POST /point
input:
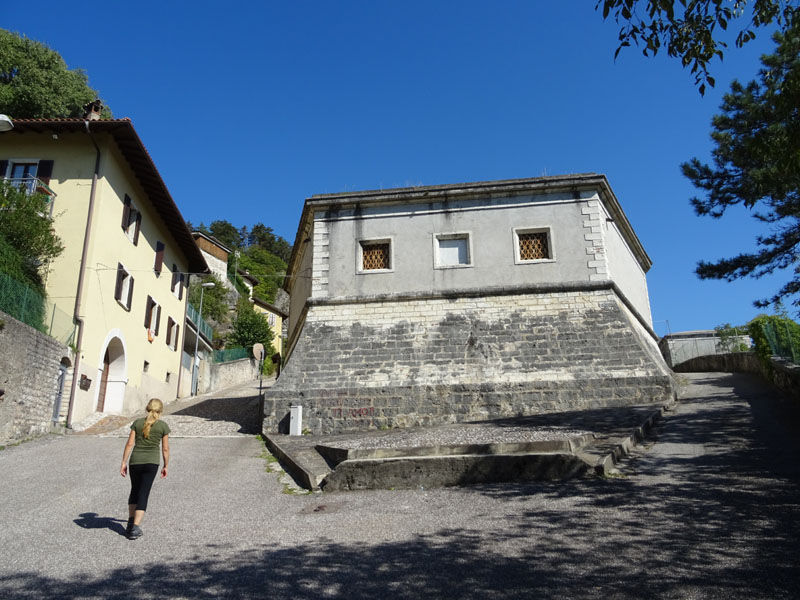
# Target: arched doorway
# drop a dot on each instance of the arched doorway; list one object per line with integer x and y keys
{"x": 112, "y": 378}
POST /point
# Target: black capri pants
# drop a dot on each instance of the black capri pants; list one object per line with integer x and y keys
{"x": 142, "y": 477}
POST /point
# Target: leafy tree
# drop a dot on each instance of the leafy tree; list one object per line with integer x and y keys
{"x": 757, "y": 164}
{"x": 27, "y": 237}
{"x": 215, "y": 305}
{"x": 775, "y": 335}
{"x": 267, "y": 268}
{"x": 264, "y": 237}
{"x": 730, "y": 338}
{"x": 226, "y": 233}
{"x": 691, "y": 30}
{"x": 250, "y": 327}
{"x": 36, "y": 83}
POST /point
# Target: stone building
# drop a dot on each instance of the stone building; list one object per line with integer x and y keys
{"x": 449, "y": 303}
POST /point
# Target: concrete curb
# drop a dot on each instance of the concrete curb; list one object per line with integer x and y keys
{"x": 604, "y": 463}
{"x": 329, "y": 466}
{"x": 298, "y": 463}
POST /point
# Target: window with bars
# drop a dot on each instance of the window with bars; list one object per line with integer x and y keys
{"x": 376, "y": 255}
{"x": 533, "y": 245}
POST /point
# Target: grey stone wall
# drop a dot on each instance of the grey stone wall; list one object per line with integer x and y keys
{"x": 29, "y": 366}
{"x": 782, "y": 374}
{"x": 226, "y": 374}
{"x": 425, "y": 361}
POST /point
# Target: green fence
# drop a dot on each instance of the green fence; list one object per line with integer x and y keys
{"x": 25, "y": 304}
{"x": 221, "y": 356}
{"x": 782, "y": 340}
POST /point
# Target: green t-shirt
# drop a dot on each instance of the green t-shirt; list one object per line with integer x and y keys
{"x": 147, "y": 450}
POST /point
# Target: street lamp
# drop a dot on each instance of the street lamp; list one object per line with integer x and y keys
{"x": 203, "y": 288}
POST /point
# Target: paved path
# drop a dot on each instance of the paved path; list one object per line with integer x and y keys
{"x": 232, "y": 412}
{"x": 708, "y": 509}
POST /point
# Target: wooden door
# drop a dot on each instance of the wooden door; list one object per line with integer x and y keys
{"x": 101, "y": 400}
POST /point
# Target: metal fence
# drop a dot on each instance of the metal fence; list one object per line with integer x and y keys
{"x": 25, "y": 304}
{"x": 194, "y": 317}
{"x": 229, "y": 354}
{"x": 782, "y": 340}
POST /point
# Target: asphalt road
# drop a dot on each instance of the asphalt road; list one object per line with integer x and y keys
{"x": 708, "y": 508}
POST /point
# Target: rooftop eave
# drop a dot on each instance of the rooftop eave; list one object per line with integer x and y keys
{"x": 508, "y": 187}
{"x": 142, "y": 166}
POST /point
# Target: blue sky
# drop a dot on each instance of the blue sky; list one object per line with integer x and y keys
{"x": 249, "y": 108}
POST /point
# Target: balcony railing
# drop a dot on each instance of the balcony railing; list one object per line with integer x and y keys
{"x": 205, "y": 328}
{"x": 31, "y": 185}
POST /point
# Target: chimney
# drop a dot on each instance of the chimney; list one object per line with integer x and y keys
{"x": 92, "y": 110}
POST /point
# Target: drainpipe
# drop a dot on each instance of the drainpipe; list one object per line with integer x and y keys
{"x": 180, "y": 349}
{"x": 79, "y": 294}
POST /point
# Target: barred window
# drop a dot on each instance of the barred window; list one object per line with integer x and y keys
{"x": 533, "y": 245}
{"x": 376, "y": 255}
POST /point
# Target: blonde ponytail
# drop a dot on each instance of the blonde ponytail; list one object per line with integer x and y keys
{"x": 154, "y": 408}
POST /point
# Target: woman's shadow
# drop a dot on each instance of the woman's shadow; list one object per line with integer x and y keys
{"x": 91, "y": 520}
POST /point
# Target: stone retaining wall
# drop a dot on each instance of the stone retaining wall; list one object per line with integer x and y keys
{"x": 782, "y": 374}
{"x": 29, "y": 367}
{"x": 222, "y": 375}
{"x": 400, "y": 363}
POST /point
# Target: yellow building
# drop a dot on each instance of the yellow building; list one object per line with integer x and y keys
{"x": 127, "y": 254}
{"x": 275, "y": 317}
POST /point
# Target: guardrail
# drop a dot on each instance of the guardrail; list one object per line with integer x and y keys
{"x": 194, "y": 317}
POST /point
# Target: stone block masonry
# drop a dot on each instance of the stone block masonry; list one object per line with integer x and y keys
{"x": 399, "y": 362}
{"x": 29, "y": 368}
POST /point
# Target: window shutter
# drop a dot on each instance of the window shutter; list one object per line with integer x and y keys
{"x": 138, "y": 227}
{"x": 45, "y": 171}
{"x": 177, "y": 337}
{"x": 120, "y": 279}
{"x": 180, "y": 293}
{"x": 175, "y": 277}
{"x": 126, "y": 212}
{"x": 148, "y": 312}
{"x": 158, "y": 318}
{"x": 159, "y": 257}
{"x": 3, "y": 167}
{"x": 170, "y": 325}
{"x": 130, "y": 294}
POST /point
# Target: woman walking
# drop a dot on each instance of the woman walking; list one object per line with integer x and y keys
{"x": 147, "y": 434}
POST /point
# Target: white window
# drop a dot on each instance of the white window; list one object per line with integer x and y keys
{"x": 271, "y": 319}
{"x": 123, "y": 291}
{"x": 131, "y": 220}
{"x": 375, "y": 256}
{"x": 172, "y": 333}
{"x": 152, "y": 318}
{"x": 452, "y": 250}
{"x": 532, "y": 245}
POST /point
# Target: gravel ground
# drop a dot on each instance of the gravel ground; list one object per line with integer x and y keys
{"x": 458, "y": 435}
{"x": 710, "y": 508}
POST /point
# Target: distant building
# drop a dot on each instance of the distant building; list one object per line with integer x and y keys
{"x": 275, "y": 317}
{"x": 216, "y": 255}
{"x": 471, "y": 301}
{"x": 680, "y": 347}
